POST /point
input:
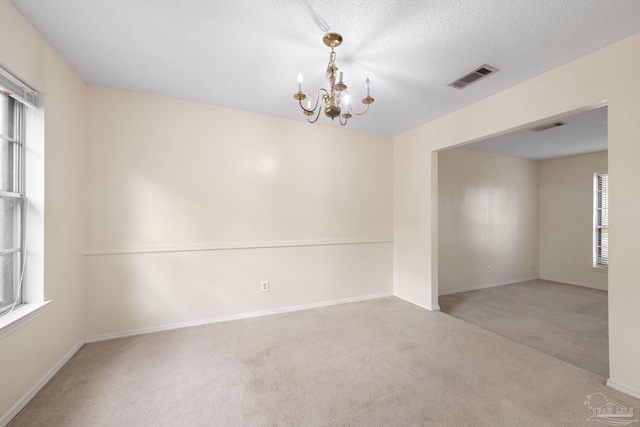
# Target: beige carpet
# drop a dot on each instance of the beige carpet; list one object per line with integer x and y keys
{"x": 565, "y": 321}
{"x": 382, "y": 362}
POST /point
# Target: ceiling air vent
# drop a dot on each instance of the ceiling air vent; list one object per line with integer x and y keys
{"x": 473, "y": 76}
{"x": 547, "y": 126}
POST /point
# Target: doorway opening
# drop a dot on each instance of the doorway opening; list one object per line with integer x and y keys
{"x": 517, "y": 233}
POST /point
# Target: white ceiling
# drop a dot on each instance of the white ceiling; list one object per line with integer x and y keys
{"x": 246, "y": 54}
{"x": 583, "y": 133}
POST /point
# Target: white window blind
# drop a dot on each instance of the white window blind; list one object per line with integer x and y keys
{"x": 14, "y": 96}
{"x": 11, "y": 201}
{"x": 601, "y": 240}
{"x": 11, "y": 86}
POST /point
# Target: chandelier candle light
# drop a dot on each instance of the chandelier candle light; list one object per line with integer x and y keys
{"x": 338, "y": 96}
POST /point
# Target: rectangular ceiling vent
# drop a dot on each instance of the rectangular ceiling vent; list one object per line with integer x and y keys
{"x": 547, "y": 126}
{"x": 473, "y": 76}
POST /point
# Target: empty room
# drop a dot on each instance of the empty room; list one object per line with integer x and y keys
{"x": 230, "y": 213}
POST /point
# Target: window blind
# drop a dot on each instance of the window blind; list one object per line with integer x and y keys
{"x": 16, "y": 89}
{"x": 602, "y": 220}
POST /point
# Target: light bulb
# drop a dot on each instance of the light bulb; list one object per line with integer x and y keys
{"x": 300, "y": 78}
{"x": 309, "y": 105}
{"x": 367, "y": 84}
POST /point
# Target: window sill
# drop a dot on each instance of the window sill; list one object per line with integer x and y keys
{"x": 600, "y": 269}
{"x": 21, "y": 316}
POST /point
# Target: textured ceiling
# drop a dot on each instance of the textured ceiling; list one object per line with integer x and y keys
{"x": 583, "y": 133}
{"x": 246, "y": 54}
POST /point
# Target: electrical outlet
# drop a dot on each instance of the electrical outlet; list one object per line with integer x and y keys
{"x": 264, "y": 286}
{"x": 488, "y": 268}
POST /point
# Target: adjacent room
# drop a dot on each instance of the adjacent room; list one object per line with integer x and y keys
{"x": 526, "y": 214}
{"x": 251, "y": 213}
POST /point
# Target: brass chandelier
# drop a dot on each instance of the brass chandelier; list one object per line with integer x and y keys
{"x": 336, "y": 98}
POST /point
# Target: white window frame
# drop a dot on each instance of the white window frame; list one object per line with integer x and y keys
{"x": 32, "y": 138}
{"x": 600, "y": 212}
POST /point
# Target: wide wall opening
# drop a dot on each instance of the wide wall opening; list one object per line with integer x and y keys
{"x": 523, "y": 236}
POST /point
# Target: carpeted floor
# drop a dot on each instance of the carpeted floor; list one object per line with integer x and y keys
{"x": 382, "y": 362}
{"x": 565, "y": 321}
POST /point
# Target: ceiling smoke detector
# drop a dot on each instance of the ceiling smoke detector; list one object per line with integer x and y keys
{"x": 473, "y": 76}
{"x": 547, "y": 126}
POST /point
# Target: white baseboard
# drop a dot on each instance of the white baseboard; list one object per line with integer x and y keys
{"x": 488, "y": 285}
{"x": 573, "y": 283}
{"x": 623, "y": 388}
{"x": 111, "y": 336}
{"x": 410, "y": 301}
{"x": 38, "y": 386}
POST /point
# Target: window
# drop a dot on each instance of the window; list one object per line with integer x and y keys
{"x": 15, "y": 96}
{"x": 601, "y": 220}
{"x": 11, "y": 201}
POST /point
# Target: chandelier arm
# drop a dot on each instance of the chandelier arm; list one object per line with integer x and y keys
{"x": 317, "y": 101}
{"x": 345, "y": 120}
{"x": 317, "y": 116}
{"x": 316, "y": 106}
{"x": 359, "y": 114}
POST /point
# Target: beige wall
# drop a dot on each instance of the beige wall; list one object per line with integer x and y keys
{"x": 488, "y": 210}
{"x": 28, "y": 354}
{"x": 230, "y": 198}
{"x": 414, "y": 263}
{"x": 596, "y": 78}
{"x": 566, "y": 219}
